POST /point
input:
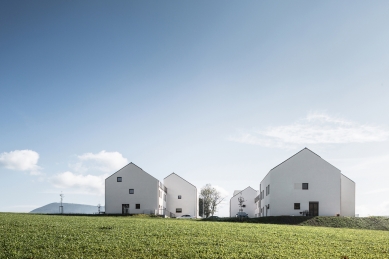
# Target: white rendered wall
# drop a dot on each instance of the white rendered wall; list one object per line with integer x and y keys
{"x": 257, "y": 211}
{"x": 347, "y": 199}
{"x": 265, "y": 198}
{"x": 117, "y": 193}
{"x": 249, "y": 195}
{"x": 286, "y": 181}
{"x": 189, "y": 200}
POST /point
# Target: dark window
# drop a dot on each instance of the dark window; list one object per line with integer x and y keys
{"x": 305, "y": 186}
{"x": 119, "y": 179}
{"x": 178, "y": 210}
{"x": 297, "y": 206}
{"x": 179, "y": 196}
{"x": 268, "y": 206}
{"x": 268, "y": 189}
{"x": 131, "y": 191}
{"x": 137, "y": 206}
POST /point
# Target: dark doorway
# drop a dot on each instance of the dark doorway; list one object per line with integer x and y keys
{"x": 313, "y": 209}
{"x": 125, "y": 209}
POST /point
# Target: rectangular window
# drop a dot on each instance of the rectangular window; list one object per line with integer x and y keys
{"x": 179, "y": 197}
{"x": 268, "y": 189}
{"x": 119, "y": 179}
{"x": 297, "y": 206}
{"x": 137, "y": 206}
{"x": 305, "y": 186}
{"x": 178, "y": 210}
{"x": 131, "y": 191}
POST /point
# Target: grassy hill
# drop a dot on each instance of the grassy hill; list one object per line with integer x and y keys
{"x": 372, "y": 223}
{"x": 45, "y": 236}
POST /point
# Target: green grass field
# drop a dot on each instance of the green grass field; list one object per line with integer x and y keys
{"x": 40, "y": 236}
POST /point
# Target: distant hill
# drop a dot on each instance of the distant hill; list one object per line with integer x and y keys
{"x": 53, "y": 208}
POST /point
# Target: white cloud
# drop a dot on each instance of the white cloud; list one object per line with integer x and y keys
{"x": 315, "y": 128}
{"x": 21, "y": 160}
{"x": 84, "y": 183}
{"x": 103, "y": 161}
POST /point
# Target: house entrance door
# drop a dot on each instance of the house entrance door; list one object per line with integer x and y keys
{"x": 125, "y": 209}
{"x": 313, "y": 209}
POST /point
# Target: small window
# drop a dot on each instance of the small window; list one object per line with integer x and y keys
{"x": 268, "y": 206}
{"x": 178, "y": 210}
{"x": 305, "y": 186}
{"x": 268, "y": 189}
{"x": 119, "y": 179}
{"x": 297, "y": 206}
{"x": 131, "y": 191}
{"x": 179, "y": 197}
{"x": 137, "y": 206}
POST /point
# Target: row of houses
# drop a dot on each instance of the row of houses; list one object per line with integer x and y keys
{"x": 133, "y": 191}
{"x": 304, "y": 184}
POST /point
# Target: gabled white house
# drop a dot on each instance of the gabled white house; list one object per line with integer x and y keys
{"x": 133, "y": 191}
{"x": 248, "y": 195}
{"x": 182, "y": 196}
{"x": 306, "y": 183}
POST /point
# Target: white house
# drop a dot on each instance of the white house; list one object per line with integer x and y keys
{"x": 182, "y": 196}
{"x": 305, "y": 183}
{"x": 133, "y": 191}
{"x": 248, "y": 195}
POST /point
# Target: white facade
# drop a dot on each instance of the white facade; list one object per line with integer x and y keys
{"x": 182, "y": 196}
{"x": 248, "y": 195}
{"x": 306, "y": 183}
{"x": 133, "y": 191}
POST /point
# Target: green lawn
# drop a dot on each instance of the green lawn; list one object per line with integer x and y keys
{"x": 40, "y": 236}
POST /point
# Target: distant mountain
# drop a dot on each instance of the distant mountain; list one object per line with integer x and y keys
{"x": 68, "y": 208}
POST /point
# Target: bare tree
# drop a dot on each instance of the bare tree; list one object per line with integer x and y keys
{"x": 211, "y": 199}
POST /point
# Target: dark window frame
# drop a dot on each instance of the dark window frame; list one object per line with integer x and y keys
{"x": 297, "y": 206}
{"x": 305, "y": 185}
{"x": 179, "y": 197}
{"x": 137, "y": 206}
{"x": 178, "y": 210}
{"x": 131, "y": 191}
{"x": 119, "y": 179}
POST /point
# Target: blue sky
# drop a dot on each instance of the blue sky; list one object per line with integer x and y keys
{"x": 218, "y": 92}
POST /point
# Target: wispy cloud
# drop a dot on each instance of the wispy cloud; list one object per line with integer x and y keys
{"x": 84, "y": 183}
{"x": 103, "y": 161}
{"x": 315, "y": 128}
{"x": 80, "y": 181}
{"x": 21, "y": 160}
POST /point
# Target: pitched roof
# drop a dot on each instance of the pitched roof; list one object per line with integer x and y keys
{"x": 181, "y": 178}
{"x": 242, "y": 191}
{"x": 133, "y": 165}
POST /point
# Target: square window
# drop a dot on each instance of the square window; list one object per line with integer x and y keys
{"x": 305, "y": 186}
{"x": 119, "y": 179}
{"x": 178, "y": 210}
{"x": 137, "y": 206}
{"x": 179, "y": 196}
{"x": 131, "y": 191}
{"x": 297, "y": 206}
